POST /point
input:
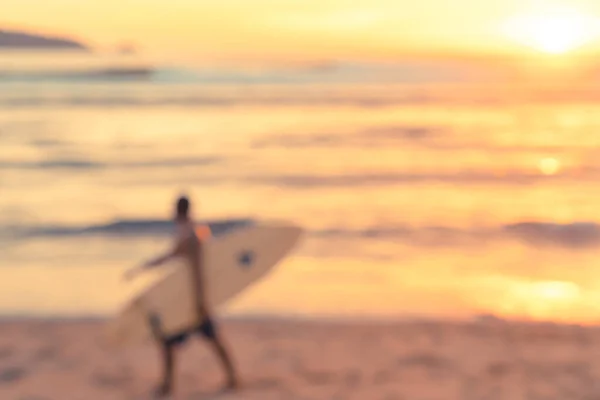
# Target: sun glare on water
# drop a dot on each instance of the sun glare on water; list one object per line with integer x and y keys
{"x": 544, "y": 300}
{"x": 555, "y": 30}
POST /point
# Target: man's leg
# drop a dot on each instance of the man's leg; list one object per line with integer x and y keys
{"x": 167, "y": 348}
{"x": 209, "y": 331}
{"x": 166, "y": 386}
{"x": 223, "y": 354}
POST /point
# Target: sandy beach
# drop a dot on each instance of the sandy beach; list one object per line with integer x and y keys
{"x": 283, "y": 359}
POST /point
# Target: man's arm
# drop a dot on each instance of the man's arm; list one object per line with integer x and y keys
{"x": 158, "y": 261}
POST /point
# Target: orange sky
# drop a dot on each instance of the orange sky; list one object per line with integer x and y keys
{"x": 299, "y": 29}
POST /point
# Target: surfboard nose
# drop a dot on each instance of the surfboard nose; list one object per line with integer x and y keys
{"x": 287, "y": 236}
{"x": 295, "y": 233}
{"x": 286, "y": 230}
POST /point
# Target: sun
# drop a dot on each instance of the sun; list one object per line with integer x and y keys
{"x": 549, "y": 166}
{"x": 556, "y": 30}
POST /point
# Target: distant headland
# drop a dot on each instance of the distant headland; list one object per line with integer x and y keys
{"x": 11, "y": 39}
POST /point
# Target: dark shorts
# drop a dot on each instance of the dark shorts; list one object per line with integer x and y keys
{"x": 207, "y": 329}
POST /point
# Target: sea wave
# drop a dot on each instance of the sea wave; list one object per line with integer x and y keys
{"x": 383, "y": 135}
{"x": 120, "y": 228}
{"x": 403, "y": 72}
{"x": 86, "y": 75}
{"x": 79, "y": 164}
{"x": 575, "y": 235}
{"x": 108, "y": 101}
{"x": 432, "y": 137}
{"x": 482, "y": 177}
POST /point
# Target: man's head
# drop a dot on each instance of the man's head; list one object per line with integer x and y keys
{"x": 182, "y": 209}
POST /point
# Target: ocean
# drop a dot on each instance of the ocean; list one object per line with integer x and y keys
{"x": 425, "y": 190}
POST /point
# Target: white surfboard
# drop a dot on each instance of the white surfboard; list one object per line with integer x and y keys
{"x": 233, "y": 262}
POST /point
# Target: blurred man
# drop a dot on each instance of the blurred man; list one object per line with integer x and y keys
{"x": 189, "y": 246}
